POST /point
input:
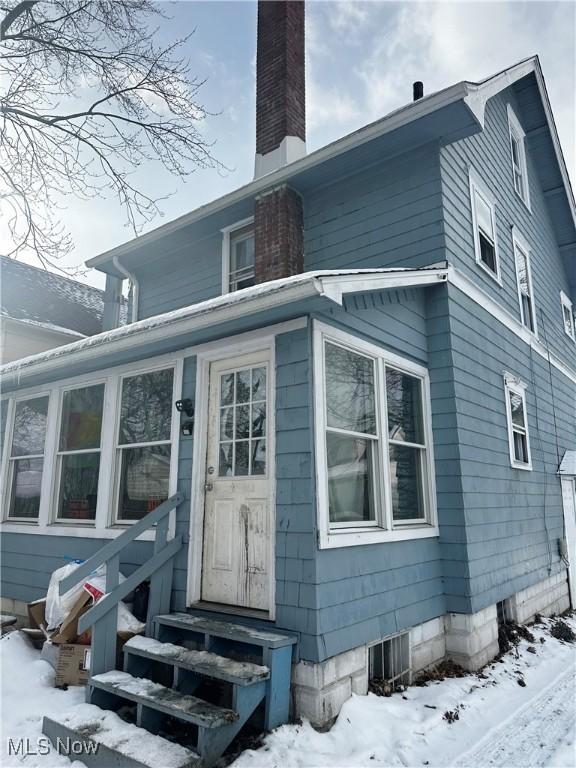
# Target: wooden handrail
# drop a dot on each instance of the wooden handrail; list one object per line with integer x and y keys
{"x": 116, "y": 545}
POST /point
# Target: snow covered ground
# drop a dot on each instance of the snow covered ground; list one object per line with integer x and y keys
{"x": 500, "y": 722}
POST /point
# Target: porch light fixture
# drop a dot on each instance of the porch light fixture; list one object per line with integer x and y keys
{"x": 185, "y": 406}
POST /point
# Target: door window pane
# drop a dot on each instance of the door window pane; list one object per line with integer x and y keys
{"x": 26, "y": 484}
{"x": 404, "y": 400}
{"x": 349, "y": 390}
{"x": 144, "y": 480}
{"x": 242, "y": 423}
{"x": 79, "y": 486}
{"x": 406, "y": 480}
{"x": 29, "y": 427}
{"x": 350, "y": 478}
{"x": 146, "y": 412}
{"x": 81, "y": 418}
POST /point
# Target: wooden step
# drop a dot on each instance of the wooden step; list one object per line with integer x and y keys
{"x": 226, "y": 629}
{"x": 100, "y": 739}
{"x": 166, "y": 700}
{"x": 200, "y": 662}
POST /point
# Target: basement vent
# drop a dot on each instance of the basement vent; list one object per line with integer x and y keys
{"x": 389, "y": 661}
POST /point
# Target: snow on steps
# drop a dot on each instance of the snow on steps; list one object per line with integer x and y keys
{"x": 109, "y": 741}
{"x": 201, "y": 662}
{"x": 226, "y": 629}
{"x": 166, "y": 700}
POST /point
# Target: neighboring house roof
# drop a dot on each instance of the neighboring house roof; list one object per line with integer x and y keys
{"x": 329, "y": 284}
{"x": 35, "y": 296}
{"x": 418, "y": 121}
{"x": 568, "y": 464}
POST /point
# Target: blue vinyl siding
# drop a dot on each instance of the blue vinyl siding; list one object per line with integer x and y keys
{"x": 489, "y": 154}
{"x": 389, "y": 214}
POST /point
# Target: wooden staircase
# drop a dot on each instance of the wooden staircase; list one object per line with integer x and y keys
{"x": 194, "y": 682}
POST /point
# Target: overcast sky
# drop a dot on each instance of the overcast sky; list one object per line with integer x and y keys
{"x": 362, "y": 58}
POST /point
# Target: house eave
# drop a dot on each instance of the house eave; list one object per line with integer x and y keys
{"x": 328, "y": 284}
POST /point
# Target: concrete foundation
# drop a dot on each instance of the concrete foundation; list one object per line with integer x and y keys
{"x": 548, "y": 597}
{"x": 472, "y": 639}
{"x": 427, "y": 645}
{"x": 10, "y": 607}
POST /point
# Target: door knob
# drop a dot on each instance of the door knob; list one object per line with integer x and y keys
{"x": 208, "y": 487}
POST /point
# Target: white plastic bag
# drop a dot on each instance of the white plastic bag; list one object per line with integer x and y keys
{"x": 58, "y": 606}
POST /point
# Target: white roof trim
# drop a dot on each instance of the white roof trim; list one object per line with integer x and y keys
{"x": 55, "y": 329}
{"x": 331, "y": 284}
{"x": 568, "y": 464}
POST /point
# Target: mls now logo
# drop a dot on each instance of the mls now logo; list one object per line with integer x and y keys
{"x": 23, "y": 748}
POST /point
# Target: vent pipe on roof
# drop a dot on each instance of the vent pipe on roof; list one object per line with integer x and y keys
{"x": 417, "y": 90}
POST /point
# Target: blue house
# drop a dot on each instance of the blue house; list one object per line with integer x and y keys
{"x": 341, "y": 423}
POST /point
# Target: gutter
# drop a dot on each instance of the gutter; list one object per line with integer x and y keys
{"x": 133, "y": 282}
{"x": 332, "y": 285}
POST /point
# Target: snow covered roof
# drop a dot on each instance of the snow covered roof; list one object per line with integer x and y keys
{"x": 330, "y": 284}
{"x": 56, "y": 302}
{"x": 568, "y": 464}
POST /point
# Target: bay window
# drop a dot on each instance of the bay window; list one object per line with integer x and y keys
{"x": 374, "y": 457}
{"x": 144, "y": 443}
{"x": 79, "y": 453}
{"x": 26, "y": 462}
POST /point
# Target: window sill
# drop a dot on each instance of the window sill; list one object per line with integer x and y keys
{"x": 523, "y": 467}
{"x": 62, "y": 529}
{"x": 334, "y": 539}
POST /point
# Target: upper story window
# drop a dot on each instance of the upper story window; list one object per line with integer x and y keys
{"x": 79, "y": 453}
{"x": 26, "y": 458}
{"x": 567, "y": 314}
{"x": 524, "y": 280}
{"x": 518, "y": 157}
{"x": 375, "y": 471}
{"x": 238, "y": 256}
{"x": 144, "y": 443}
{"x": 519, "y": 439}
{"x": 484, "y": 223}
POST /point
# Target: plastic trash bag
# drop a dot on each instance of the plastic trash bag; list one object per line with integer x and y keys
{"x": 58, "y": 606}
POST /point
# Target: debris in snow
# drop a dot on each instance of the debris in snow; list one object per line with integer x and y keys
{"x": 531, "y": 649}
{"x": 561, "y": 631}
{"x": 451, "y": 716}
{"x": 510, "y": 634}
{"x": 440, "y": 672}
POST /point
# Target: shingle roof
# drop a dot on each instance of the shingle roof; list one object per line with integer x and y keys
{"x": 34, "y": 294}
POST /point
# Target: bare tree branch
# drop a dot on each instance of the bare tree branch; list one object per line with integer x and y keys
{"x": 89, "y": 98}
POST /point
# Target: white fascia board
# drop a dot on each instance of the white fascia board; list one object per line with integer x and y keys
{"x": 57, "y": 330}
{"x": 402, "y": 116}
{"x": 233, "y": 306}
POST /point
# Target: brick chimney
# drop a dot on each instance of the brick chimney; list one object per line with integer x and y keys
{"x": 280, "y": 85}
{"x": 280, "y": 137}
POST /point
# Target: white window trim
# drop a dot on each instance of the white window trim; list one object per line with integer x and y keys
{"x": 476, "y": 183}
{"x": 329, "y": 536}
{"x": 514, "y": 385}
{"x": 102, "y": 527}
{"x": 518, "y": 240}
{"x": 515, "y": 128}
{"x": 227, "y": 233}
{"x": 567, "y": 304}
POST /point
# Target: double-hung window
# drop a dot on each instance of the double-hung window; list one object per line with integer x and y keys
{"x": 567, "y": 315}
{"x": 518, "y": 157}
{"x": 484, "y": 224}
{"x": 374, "y": 448}
{"x": 238, "y": 256}
{"x": 26, "y": 458}
{"x": 144, "y": 443}
{"x": 524, "y": 281}
{"x": 519, "y": 439}
{"x": 79, "y": 453}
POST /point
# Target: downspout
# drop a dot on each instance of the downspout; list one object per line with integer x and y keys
{"x": 135, "y": 286}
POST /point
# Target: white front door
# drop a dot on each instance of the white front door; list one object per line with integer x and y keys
{"x": 237, "y": 515}
{"x": 569, "y": 503}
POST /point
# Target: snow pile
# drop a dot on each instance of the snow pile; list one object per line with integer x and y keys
{"x": 28, "y": 695}
{"x": 517, "y": 713}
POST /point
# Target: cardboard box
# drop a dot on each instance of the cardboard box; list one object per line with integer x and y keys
{"x": 72, "y": 664}
{"x": 68, "y": 631}
{"x": 37, "y": 613}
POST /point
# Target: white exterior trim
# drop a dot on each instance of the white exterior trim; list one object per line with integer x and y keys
{"x": 517, "y": 387}
{"x": 567, "y": 304}
{"x": 515, "y": 129}
{"x": 290, "y": 149}
{"x": 330, "y": 537}
{"x": 103, "y": 526}
{"x": 226, "y": 233}
{"x": 220, "y": 351}
{"x": 477, "y": 185}
{"x": 518, "y": 240}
